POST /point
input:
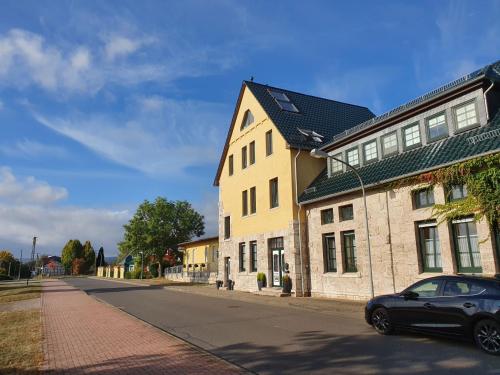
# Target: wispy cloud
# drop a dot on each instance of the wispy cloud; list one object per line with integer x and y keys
{"x": 360, "y": 86}
{"x": 28, "y": 190}
{"x": 30, "y": 149}
{"x": 119, "y": 46}
{"x": 161, "y": 137}
{"x": 457, "y": 47}
{"x": 28, "y": 59}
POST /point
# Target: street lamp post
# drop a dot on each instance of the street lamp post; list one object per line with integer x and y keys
{"x": 323, "y": 155}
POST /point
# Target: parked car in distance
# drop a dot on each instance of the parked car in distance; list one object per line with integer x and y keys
{"x": 457, "y": 306}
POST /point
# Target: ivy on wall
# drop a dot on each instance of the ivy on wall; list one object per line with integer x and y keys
{"x": 481, "y": 176}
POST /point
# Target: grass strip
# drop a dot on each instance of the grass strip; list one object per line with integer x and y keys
{"x": 19, "y": 292}
{"x": 21, "y": 342}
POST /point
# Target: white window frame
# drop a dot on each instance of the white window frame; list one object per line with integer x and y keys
{"x": 455, "y": 115}
{"x": 347, "y": 155}
{"x": 403, "y": 133}
{"x": 382, "y": 144}
{"x": 333, "y": 162}
{"x": 369, "y": 143}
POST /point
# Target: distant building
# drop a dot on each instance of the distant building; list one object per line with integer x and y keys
{"x": 199, "y": 261}
{"x": 53, "y": 267}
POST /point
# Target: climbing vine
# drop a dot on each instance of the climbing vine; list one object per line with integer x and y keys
{"x": 482, "y": 178}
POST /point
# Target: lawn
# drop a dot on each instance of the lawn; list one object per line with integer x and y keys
{"x": 14, "y": 291}
{"x": 20, "y": 340}
{"x": 20, "y": 331}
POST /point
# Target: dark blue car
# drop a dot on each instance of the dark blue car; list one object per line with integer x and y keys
{"x": 457, "y": 306}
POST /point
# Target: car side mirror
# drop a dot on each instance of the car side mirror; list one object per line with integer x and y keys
{"x": 410, "y": 295}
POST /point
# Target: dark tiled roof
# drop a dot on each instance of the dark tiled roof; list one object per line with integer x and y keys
{"x": 324, "y": 116}
{"x": 491, "y": 71}
{"x": 433, "y": 156}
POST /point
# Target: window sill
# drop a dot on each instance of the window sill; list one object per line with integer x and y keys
{"x": 462, "y": 130}
{"x": 412, "y": 147}
{"x": 432, "y": 140}
{"x": 338, "y": 274}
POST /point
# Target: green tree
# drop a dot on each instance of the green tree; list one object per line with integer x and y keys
{"x": 159, "y": 225}
{"x": 71, "y": 251}
{"x": 6, "y": 257}
{"x": 88, "y": 255}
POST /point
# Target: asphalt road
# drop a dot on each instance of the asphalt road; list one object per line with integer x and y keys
{"x": 274, "y": 340}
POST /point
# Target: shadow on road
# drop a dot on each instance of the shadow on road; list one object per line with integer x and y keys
{"x": 121, "y": 289}
{"x": 405, "y": 354}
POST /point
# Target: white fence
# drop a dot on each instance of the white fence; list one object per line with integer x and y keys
{"x": 178, "y": 273}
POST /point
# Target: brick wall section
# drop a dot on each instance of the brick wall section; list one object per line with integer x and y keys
{"x": 84, "y": 336}
{"x": 389, "y": 212}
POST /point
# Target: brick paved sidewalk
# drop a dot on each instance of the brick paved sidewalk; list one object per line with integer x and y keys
{"x": 84, "y": 336}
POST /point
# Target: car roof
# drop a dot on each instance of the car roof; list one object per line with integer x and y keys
{"x": 495, "y": 279}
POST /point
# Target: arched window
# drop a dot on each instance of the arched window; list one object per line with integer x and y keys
{"x": 247, "y": 119}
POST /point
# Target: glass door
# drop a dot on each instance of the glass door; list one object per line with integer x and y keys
{"x": 277, "y": 267}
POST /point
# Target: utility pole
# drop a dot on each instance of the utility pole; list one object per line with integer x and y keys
{"x": 20, "y": 264}
{"x": 9, "y": 268}
{"x": 32, "y": 259}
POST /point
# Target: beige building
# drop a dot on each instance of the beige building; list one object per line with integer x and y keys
{"x": 281, "y": 211}
{"x": 452, "y": 124}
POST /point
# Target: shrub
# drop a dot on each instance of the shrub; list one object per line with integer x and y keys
{"x": 136, "y": 273}
{"x": 154, "y": 270}
{"x": 5, "y": 277}
{"x": 78, "y": 266}
{"x": 128, "y": 275}
{"x": 261, "y": 276}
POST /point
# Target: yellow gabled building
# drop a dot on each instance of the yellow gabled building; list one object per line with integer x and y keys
{"x": 200, "y": 255}
{"x": 271, "y": 133}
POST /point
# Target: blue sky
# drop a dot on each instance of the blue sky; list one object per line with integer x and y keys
{"x": 106, "y": 103}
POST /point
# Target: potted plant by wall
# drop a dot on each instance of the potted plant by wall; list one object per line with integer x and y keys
{"x": 261, "y": 280}
{"x": 287, "y": 284}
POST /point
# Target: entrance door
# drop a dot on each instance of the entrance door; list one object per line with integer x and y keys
{"x": 277, "y": 267}
{"x": 277, "y": 259}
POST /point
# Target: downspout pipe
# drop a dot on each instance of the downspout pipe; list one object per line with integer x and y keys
{"x": 486, "y": 102}
{"x": 298, "y": 219}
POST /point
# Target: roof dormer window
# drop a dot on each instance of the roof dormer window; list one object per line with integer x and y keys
{"x": 247, "y": 119}
{"x": 283, "y": 101}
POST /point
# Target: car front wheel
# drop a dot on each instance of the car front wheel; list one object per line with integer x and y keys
{"x": 381, "y": 321}
{"x": 487, "y": 336}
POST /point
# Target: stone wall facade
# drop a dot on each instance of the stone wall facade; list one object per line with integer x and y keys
{"x": 395, "y": 251}
{"x": 247, "y": 280}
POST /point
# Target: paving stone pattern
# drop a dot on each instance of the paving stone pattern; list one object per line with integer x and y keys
{"x": 85, "y": 336}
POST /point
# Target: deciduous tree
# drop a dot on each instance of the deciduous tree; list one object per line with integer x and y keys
{"x": 88, "y": 255}
{"x": 159, "y": 225}
{"x": 71, "y": 251}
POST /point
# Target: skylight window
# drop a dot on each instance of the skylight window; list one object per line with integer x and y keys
{"x": 283, "y": 101}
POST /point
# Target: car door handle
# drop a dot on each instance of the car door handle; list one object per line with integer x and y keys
{"x": 428, "y": 305}
{"x": 469, "y": 304}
